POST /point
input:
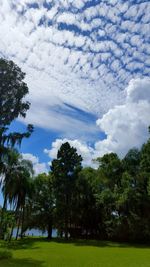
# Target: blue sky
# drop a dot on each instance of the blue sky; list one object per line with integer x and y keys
{"x": 87, "y": 66}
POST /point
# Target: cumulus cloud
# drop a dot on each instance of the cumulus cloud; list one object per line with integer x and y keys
{"x": 37, "y": 165}
{"x": 125, "y": 125}
{"x": 82, "y": 149}
{"x": 138, "y": 90}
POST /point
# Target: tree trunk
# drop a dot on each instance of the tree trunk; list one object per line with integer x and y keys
{"x": 2, "y": 227}
{"x": 12, "y": 229}
{"x": 66, "y": 216}
{"x": 22, "y": 223}
{"x": 18, "y": 226}
{"x": 66, "y": 231}
{"x": 49, "y": 230}
{"x": 61, "y": 233}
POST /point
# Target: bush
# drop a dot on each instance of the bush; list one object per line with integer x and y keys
{"x": 5, "y": 254}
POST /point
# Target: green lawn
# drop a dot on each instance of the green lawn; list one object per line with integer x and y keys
{"x": 39, "y": 252}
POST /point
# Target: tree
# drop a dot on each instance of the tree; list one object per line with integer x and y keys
{"x": 87, "y": 216}
{"x": 145, "y": 157}
{"x": 23, "y": 185}
{"x": 65, "y": 170}
{"x": 16, "y": 184}
{"x": 13, "y": 89}
{"x": 41, "y": 204}
{"x": 110, "y": 169}
{"x": 131, "y": 161}
{"x": 109, "y": 172}
{"x": 10, "y": 171}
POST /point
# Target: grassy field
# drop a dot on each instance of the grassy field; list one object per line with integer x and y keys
{"x": 39, "y": 253}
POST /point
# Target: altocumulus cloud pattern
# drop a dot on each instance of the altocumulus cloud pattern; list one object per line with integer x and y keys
{"x": 84, "y": 62}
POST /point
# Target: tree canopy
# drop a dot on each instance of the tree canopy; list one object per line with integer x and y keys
{"x": 65, "y": 170}
{"x": 13, "y": 90}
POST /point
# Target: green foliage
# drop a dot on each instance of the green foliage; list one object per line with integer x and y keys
{"x": 131, "y": 161}
{"x": 13, "y": 89}
{"x": 86, "y": 216}
{"x": 40, "y": 207}
{"x": 16, "y": 181}
{"x": 5, "y": 254}
{"x": 16, "y": 186}
{"x": 112, "y": 202}
{"x": 65, "y": 170}
{"x": 110, "y": 168}
{"x": 14, "y": 171}
{"x": 145, "y": 157}
{"x": 8, "y": 219}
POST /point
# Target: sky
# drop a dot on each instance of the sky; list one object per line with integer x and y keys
{"x": 87, "y": 65}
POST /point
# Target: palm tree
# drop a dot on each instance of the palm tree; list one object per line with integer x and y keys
{"x": 16, "y": 184}
{"x": 22, "y": 190}
{"x": 8, "y": 171}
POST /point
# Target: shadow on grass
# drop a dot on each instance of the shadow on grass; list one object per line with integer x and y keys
{"x": 25, "y": 243}
{"x": 98, "y": 243}
{"x": 21, "y": 262}
{"x": 7, "y": 259}
{"x": 29, "y": 243}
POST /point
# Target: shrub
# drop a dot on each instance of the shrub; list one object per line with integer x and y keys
{"x": 5, "y": 254}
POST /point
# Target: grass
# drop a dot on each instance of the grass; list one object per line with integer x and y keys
{"x": 57, "y": 253}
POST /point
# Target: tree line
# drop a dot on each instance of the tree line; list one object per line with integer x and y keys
{"x": 111, "y": 202}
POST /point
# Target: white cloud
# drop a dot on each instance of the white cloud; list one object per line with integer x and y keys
{"x": 37, "y": 166}
{"x": 125, "y": 125}
{"x": 82, "y": 149}
{"x": 78, "y": 3}
{"x": 87, "y": 64}
{"x": 138, "y": 90}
